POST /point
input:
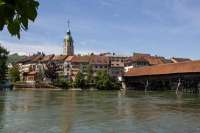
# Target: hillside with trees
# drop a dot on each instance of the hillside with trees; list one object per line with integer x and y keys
{"x": 13, "y": 58}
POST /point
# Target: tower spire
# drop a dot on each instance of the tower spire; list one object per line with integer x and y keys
{"x": 68, "y": 25}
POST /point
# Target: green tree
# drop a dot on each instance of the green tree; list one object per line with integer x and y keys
{"x": 3, "y": 60}
{"x": 51, "y": 71}
{"x": 40, "y": 74}
{"x": 62, "y": 83}
{"x": 80, "y": 81}
{"x": 14, "y": 73}
{"x": 16, "y": 14}
{"x": 89, "y": 75}
{"x": 105, "y": 82}
{"x": 14, "y": 58}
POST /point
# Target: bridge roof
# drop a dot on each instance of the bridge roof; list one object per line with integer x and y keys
{"x": 164, "y": 69}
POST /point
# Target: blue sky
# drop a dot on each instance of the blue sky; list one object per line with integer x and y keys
{"x": 160, "y": 27}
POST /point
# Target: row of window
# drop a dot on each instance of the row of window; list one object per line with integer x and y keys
{"x": 85, "y": 67}
{"x": 100, "y": 66}
{"x": 115, "y": 65}
{"x": 117, "y": 60}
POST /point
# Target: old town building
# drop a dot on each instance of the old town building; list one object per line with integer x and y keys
{"x": 75, "y": 64}
{"x": 99, "y": 63}
{"x": 141, "y": 60}
{"x": 59, "y": 60}
{"x": 117, "y": 64}
{"x": 28, "y": 67}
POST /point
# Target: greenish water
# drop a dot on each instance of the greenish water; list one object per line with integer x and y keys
{"x": 98, "y": 112}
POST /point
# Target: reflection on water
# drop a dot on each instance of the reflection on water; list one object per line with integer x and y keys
{"x": 98, "y": 112}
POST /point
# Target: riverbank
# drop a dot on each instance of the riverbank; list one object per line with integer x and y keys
{"x": 39, "y": 89}
{"x": 42, "y": 86}
{"x": 55, "y": 89}
{"x": 6, "y": 85}
{"x": 32, "y": 85}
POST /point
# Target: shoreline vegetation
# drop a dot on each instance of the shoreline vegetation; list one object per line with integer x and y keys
{"x": 102, "y": 81}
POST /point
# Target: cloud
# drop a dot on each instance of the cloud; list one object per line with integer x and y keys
{"x": 28, "y": 48}
{"x": 105, "y": 3}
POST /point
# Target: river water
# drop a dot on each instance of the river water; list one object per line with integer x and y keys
{"x": 98, "y": 112}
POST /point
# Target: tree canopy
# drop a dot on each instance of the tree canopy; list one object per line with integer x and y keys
{"x": 80, "y": 80}
{"x": 16, "y": 14}
{"x": 14, "y": 73}
{"x": 13, "y": 58}
{"x": 3, "y": 60}
{"x": 51, "y": 71}
{"x": 105, "y": 82}
{"x": 89, "y": 74}
{"x": 40, "y": 74}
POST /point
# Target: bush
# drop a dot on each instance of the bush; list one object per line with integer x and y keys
{"x": 14, "y": 74}
{"x": 105, "y": 82}
{"x": 80, "y": 81}
{"x": 62, "y": 83}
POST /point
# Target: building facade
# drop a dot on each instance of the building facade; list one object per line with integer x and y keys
{"x": 75, "y": 64}
{"x": 117, "y": 64}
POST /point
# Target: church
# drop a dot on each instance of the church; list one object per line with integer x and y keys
{"x": 68, "y": 43}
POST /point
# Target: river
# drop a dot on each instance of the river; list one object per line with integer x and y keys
{"x": 43, "y": 111}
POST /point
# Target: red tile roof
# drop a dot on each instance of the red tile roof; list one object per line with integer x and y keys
{"x": 26, "y": 59}
{"x": 176, "y": 60}
{"x": 47, "y": 58}
{"x": 78, "y": 58}
{"x": 69, "y": 58}
{"x": 166, "y": 60}
{"x": 96, "y": 59}
{"x": 171, "y": 68}
{"x": 153, "y": 60}
{"x": 31, "y": 59}
{"x": 139, "y": 58}
{"x": 59, "y": 58}
{"x": 37, "y": 58}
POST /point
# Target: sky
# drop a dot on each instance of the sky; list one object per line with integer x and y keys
{"x": 169, "y": 28}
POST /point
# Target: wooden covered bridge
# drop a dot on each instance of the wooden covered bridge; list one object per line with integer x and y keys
{"x": 184, "y": 76}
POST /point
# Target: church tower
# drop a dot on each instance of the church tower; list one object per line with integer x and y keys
{"x": 68, "y": 43}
